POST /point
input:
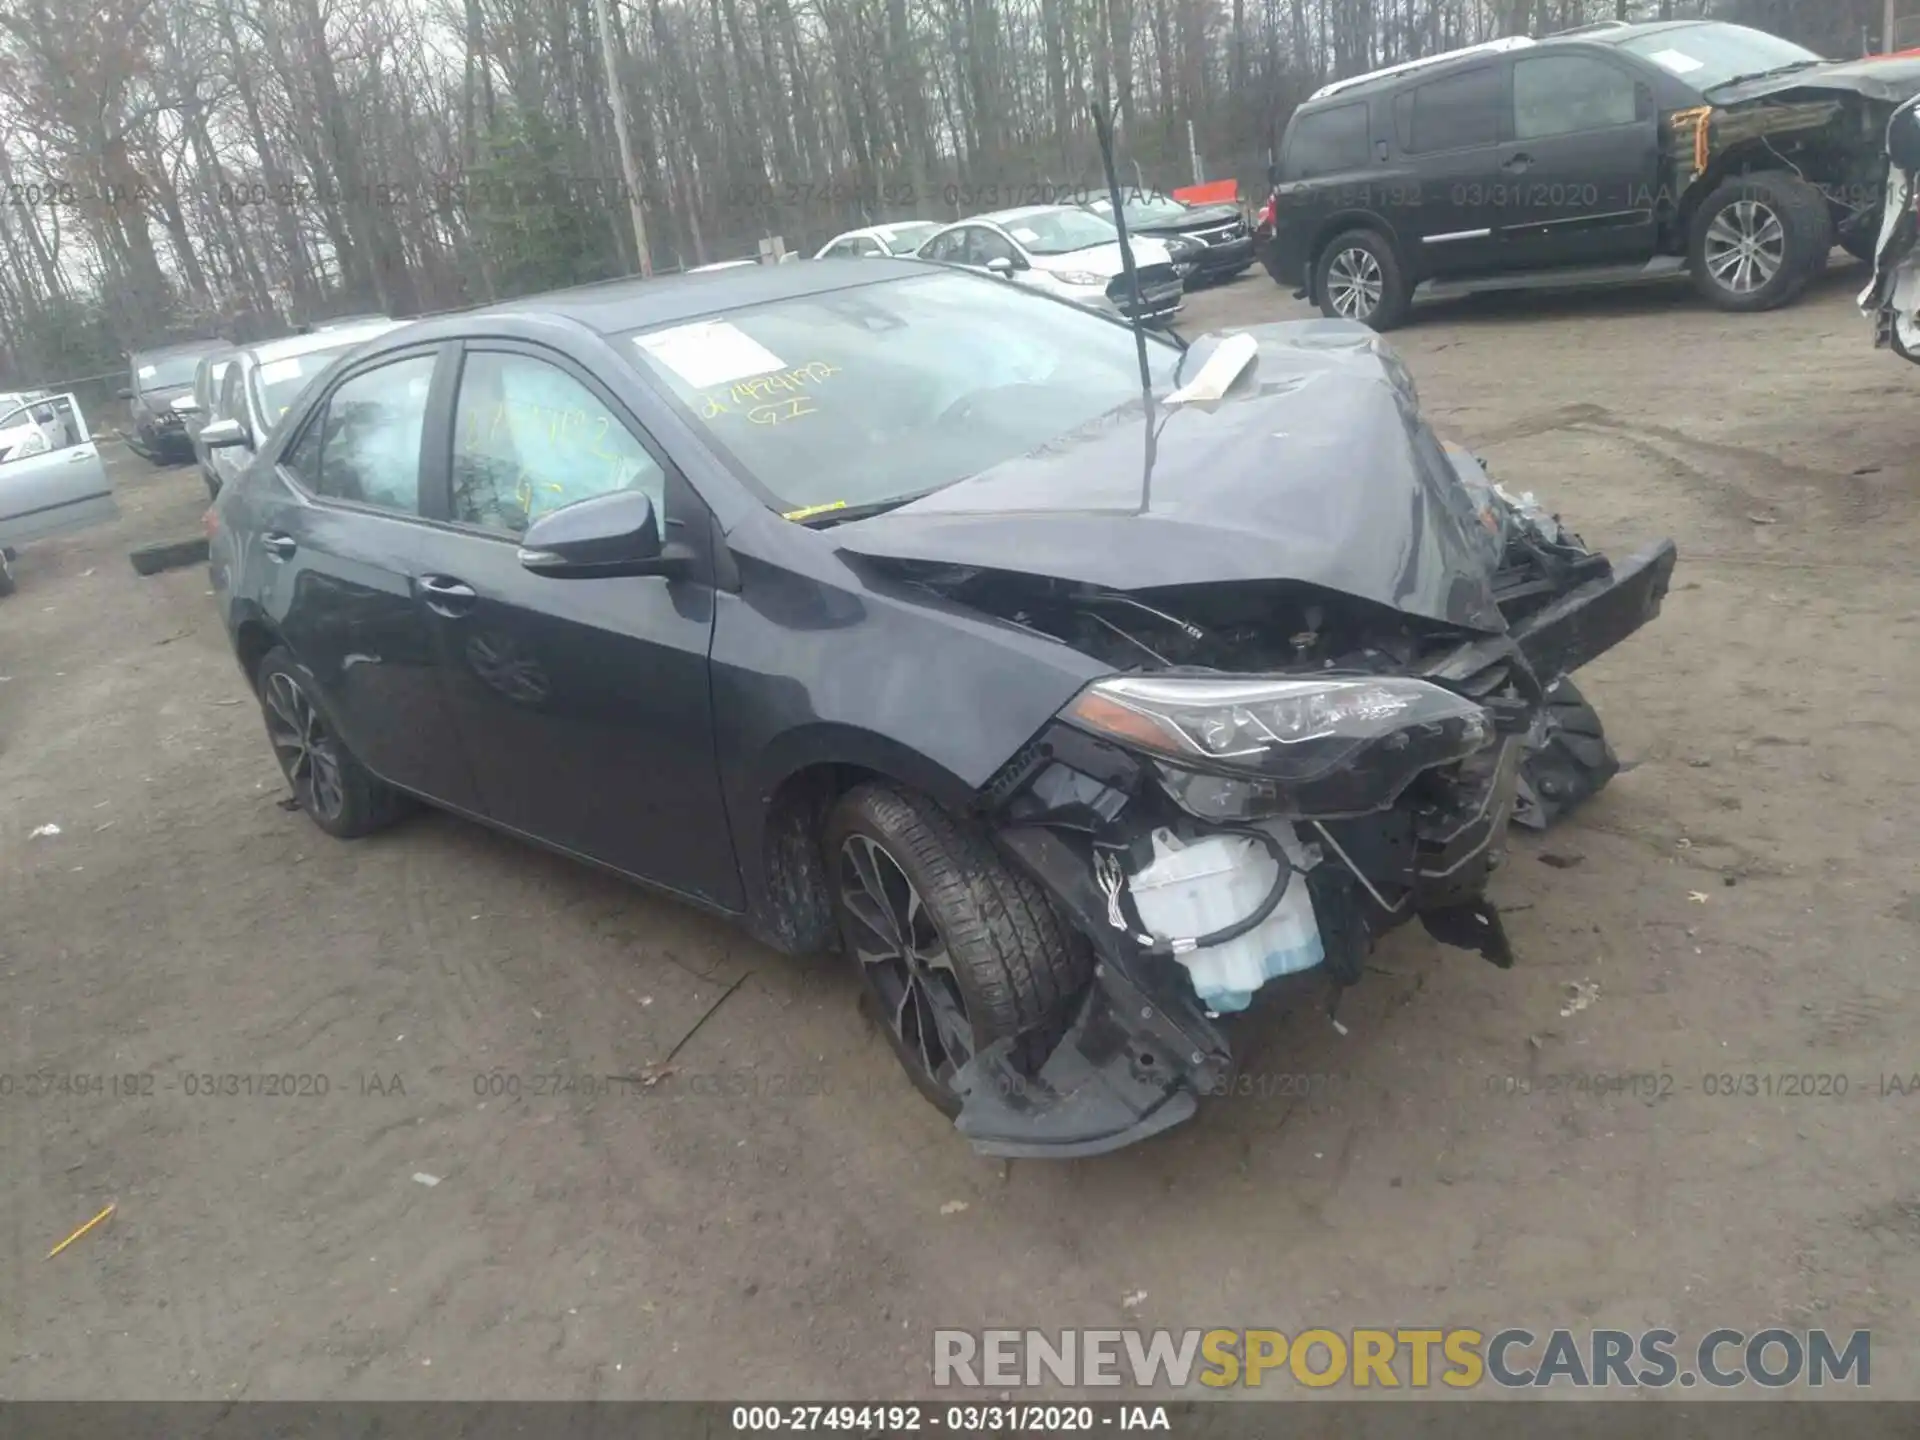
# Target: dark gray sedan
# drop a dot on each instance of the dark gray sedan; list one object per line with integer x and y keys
{"x": 1074, "y": 682}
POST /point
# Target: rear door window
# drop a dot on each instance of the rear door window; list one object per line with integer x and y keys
{"x": 369, "y": 451}
{"x": 1327, "y": 142}
{"x": 1569, "y": 94}
{"x": 1457, "y": 112}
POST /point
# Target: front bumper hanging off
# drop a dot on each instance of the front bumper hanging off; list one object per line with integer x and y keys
{"x": 1141, "y": 1051}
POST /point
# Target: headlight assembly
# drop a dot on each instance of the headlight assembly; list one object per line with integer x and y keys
{"x": 1322, "y": 745}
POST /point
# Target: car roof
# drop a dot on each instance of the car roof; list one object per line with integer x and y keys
{"x": 614, "y": 307}
{"x": 1355, "y": 87}
{"x": 886, "y": 228}
{"x": 293, "y": 345}
{"x": 1615, "y": 34}
{"x": 1020, "y": 212}
{"x": 182, "y": 347}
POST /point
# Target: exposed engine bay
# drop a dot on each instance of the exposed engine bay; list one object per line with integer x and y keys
{"x": 1357, "y": 768}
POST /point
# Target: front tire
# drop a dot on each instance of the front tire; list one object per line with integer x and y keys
{"x": 956, "y": 950}
{"x": 1571, "y": 761}
{"x": 1758, "y": 240}
{"x": 1358, "y": 276}
{"x": 338, "y": 793}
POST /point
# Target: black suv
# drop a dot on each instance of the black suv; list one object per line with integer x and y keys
{"x": 1612, "y": 153}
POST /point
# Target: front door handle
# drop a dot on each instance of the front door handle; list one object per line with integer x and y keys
{"x": 446, "y": 596}
{"x": 79, "y": 454}
{"x": 279, "y": 544}
{"x": 1518, "y": 164}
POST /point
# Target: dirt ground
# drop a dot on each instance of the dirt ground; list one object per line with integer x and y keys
{"x": 777, "y": 1218}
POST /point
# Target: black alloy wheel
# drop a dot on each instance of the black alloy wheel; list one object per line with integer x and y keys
{"x": 338, "y": 793}
{"x": 905, "y": 964}
{"x": 304, "y": 747}
{"x": 957, "y": 952}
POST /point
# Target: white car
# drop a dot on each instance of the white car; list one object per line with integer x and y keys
{"x": 261, "y": 383}
{"x": 51, "y": 476}
{"x": 1064, "y": 251}
{"x": 25, "y": 431}
{"x": 875, "y": 240}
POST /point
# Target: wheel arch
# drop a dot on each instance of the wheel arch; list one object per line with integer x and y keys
{"x": 1340, "y": 223}
{"x": 254, "y": 637}
{"x": 798, "y": 780}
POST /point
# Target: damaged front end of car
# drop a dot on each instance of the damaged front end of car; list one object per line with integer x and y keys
{"x": 1274, "y": 773}
{"x": 1892, "y": 298}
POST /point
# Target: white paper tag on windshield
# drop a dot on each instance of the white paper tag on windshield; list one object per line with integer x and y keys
{"x": 147, "y": 372}
{"x": 1024, "y": 235}
{"x": 709, "y": 352}
{"x": 1674, "y": 60}
{"x": 274, "y": 371}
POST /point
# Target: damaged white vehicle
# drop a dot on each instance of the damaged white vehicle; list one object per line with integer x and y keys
{"x": 1892, "y": 300}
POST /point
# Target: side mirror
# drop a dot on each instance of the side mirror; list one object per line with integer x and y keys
{"x": 223, "y": 434}
{"x": 125, "y": 393}
{"x": 1001, "y": 266}
{"x": 609, "y": 535}
{"x": 1903, "y": 139}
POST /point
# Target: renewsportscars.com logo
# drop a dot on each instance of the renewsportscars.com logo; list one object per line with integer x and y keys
{"x": 1416, "y": 1359}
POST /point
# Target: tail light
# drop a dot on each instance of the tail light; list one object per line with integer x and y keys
{"x": 1269, "y": 212}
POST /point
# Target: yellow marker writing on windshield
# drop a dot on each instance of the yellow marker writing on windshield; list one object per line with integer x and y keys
{"x": 806, "y": 511}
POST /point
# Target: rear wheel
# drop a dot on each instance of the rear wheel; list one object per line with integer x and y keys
{"x": 956, "y": 951}
{"x": 1359, "y": 277}
{"x": 336, "y": 790}
{"x": 1571, "y": 760}
{"x": 1757, "y": 241}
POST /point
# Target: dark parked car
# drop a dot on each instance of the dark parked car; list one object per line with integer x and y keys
{"x": 894, "y": 608}
{"x": 1216, "y": 243}
{"x": 159, "y": 396}
{"x": 1609, "y": 154}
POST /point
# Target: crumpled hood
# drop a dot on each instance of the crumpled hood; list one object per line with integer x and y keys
{"x": 1315, "y": 467}
{"x": 1105, "y": 259}
{"x": 1891, "y": 78}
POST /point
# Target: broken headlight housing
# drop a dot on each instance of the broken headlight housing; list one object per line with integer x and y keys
{"x": 1236, "y": 748}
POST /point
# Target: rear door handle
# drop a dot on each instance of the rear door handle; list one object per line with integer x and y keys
{"x": 279, "y": 545}
{"x": 446, "y": 596}
{"x": 1518, "y": 163}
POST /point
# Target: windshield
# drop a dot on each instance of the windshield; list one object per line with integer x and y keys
{"x": 905, "y": 239}
{"x": 883, "y": 392}
{"x": 1056, "y": 232}
{"x": 1145, "y": 209}
{"x": 1708, "y": 55}
{"x": 278, "y": 383}
{"x": 163, "y": 372}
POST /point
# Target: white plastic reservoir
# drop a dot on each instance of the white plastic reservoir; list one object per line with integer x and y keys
{"x": 1195, "y": 887}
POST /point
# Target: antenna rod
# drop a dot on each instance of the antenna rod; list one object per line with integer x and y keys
{"x": 1103, "y": 132}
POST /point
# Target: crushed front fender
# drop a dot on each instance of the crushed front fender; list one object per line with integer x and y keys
{"x": 1134, "y": 1061}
